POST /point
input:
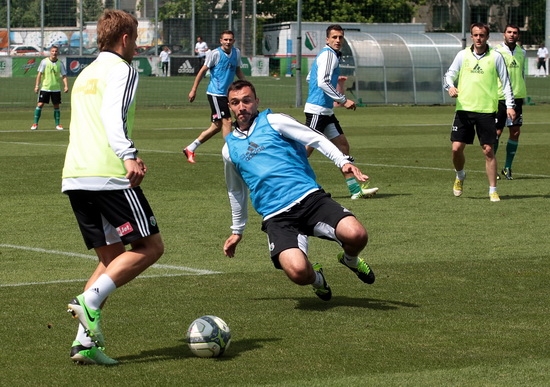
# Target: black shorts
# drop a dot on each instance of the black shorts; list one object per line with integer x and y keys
{"x": 44, "y": 97}
{"x": 466, "y": 124}
{"x": 502, "y": 117}
{"x": 328, "y": 125}
{"x": 541, "y": 63}
{"x": 107, "y": 217}
{"x": 316, "y": 215}
{"x": 219, "y": 107}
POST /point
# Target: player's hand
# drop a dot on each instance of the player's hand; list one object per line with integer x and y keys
{"x": 230, "y": 245}
{"x": 453, "y": 92}
{"x": 349, "y": 104}
{"x": 511, "y": 113}
{"x": 192, "y": 95}
{"x": 66, "y": 89}
{"x": 350, "y": 168}
{"x": 135, "y": 171}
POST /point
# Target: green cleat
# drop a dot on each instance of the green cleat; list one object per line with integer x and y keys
{"x": 323, "y": 293}
{"x": 363, "y": 270}
{"x": 365, "y": 192}
{"x": 507, "y": 173}
{"x": 89, "y": 318}
{"x": 93, "y": 355}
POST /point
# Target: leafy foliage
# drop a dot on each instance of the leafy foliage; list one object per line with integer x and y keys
{"x": 376, "y": 11}
{"x": 91, "y": 9}
{"x": 57, "y": 13}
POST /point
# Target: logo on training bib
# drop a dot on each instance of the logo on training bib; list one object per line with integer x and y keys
{"x": 477, "y": 69}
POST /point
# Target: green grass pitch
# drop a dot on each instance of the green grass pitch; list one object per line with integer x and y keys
{"x": 461, "y": 296}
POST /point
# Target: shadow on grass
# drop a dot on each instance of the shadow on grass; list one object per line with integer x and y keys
{"x": 529, "y": 177}
{"x": 337, "y": 301}
{"x": 511, "y": 197}
{"x": 181, "y": 351}
{"x": 313, "y": 303}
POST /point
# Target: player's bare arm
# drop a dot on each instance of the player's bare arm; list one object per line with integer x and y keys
{"x": 198, "y": 78}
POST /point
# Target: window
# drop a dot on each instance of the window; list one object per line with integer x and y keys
{"x": 516, "y": 16}
{"x": 479, "y": 14}
{"x": 441, "y": 16}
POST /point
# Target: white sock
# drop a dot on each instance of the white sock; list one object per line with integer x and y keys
{"x": 351, "y": 261}
{"x": 99, "y": 291}
{"x": 492, "y": 189}
{"x": 82, "y": 337}
{"x": 319, "y": 280}
{"x": 194, "y": 145}
{"x": 460, "y": 175}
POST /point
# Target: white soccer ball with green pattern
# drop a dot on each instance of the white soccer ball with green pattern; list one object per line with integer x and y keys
{"x": 208, "y": 336}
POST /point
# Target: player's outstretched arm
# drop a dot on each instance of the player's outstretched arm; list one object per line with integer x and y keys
{"x": 350, "y": 168}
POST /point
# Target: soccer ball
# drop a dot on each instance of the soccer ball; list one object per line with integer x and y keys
{"x": 208, "y": 336}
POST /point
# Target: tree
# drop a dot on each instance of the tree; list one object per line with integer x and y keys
{"x": 60, "y": 13}
{"x": 23, "y": 14}
{"x": 373, "y": 11}
{"x": 361, "y": 11}
{"x": 535, "y": 10}
{"x": 91, "y": 10}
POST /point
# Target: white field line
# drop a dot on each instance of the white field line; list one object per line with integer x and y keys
{"x": 315, "y": 161}
{"x": 183, "y": 269}
{"x": 445, "y": 125}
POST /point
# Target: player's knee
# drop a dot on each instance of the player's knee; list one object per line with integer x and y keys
{"x": 359, "y": 238}
{"x": 458, "y": 148}
{"x": 216, "y": 127}
{"x": 299, "y": 275}
{"x": 157, "y": 249}
{"x": 355, "y": 236}
{"x": 153, "y": 246}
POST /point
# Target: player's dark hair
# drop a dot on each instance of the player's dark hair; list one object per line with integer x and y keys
{"x": 227, "y": 32}
{"x": 241, "y": 84}
{"x": 514, "y": 26}
{"x": 334, "y": 27}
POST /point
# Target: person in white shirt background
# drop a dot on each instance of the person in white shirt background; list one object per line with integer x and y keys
{"x": 164, "y": 57}
{"x": 201, "y": 48}
{"x": 542, "y": 56}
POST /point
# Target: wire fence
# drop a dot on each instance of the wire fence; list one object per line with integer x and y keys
{"x": 395, "y": 52}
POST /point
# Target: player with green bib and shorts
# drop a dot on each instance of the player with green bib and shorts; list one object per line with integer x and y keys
{"x": 477, "y": 71}
{"x": 102, "y": 176}
{"x": 48, "y": 86}
{"x": 514, "y": 55}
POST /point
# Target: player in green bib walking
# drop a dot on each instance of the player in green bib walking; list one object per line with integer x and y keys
{"x": 51, "y": 72}
{"x": 102, "y": 175}
{"x": 514, "y": 56}
{"x": 477, "y": 71}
